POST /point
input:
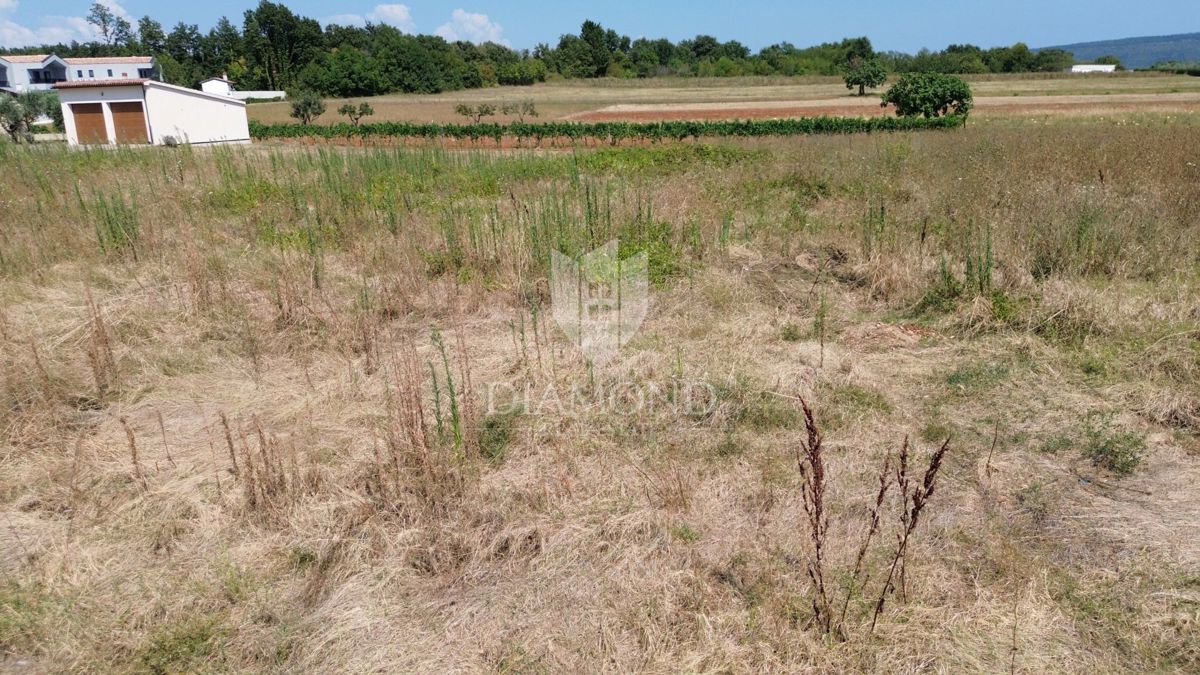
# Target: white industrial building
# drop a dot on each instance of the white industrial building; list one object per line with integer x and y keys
{"x": 141, "y": 111}
{"x": 1094, "y": 68}
{"x": 33, "y": 72}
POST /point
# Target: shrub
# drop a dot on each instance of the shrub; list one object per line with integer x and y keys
{"x": 307, "y": 106}
{"x": 929, "y": 95}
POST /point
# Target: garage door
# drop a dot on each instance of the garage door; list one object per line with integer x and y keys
{"x": 129, "y": 121}
{"x": 89, "y": 123}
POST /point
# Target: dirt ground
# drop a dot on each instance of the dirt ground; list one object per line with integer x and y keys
{"x": 868, "y": 106}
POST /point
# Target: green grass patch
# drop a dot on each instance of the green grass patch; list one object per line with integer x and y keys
{"x": 847, "y": 402}
{"x": 22, "y": 609}
{"x": 185, "y": 646}
{"x": 975, "y": 377}
{"x": 662, "y": 159}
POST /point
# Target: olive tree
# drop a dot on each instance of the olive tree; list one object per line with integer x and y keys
{"x": 929, "y": 95}
{"x": 356, "y": 113}
{"x": 307, "y": 106}
{"x": 863, "y": 73}
{"x": 18, "y": 113}
{"x": 475, "y": 113}
{"x": 521, "y": 109}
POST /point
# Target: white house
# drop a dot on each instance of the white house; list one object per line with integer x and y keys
{"x": 31, "y": 72}
{"x": 1093, "y": 68}
{"x": 141, "y": 111}
{"x": 20, "y": 73}
{"x": 222, "y": 85}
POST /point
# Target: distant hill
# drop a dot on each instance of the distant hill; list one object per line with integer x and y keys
{"x": 1140, "y": 52}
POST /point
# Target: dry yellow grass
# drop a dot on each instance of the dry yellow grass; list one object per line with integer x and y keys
{"x": 274, "y": 309}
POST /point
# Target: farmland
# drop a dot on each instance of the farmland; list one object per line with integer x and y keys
{"x": 248, "y": 416}
{"x": 785, "y": 96}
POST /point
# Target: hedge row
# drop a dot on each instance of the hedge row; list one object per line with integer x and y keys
{"x": 611, "y": 131}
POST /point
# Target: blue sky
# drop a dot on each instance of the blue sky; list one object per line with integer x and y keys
{"x": 905, "y": 26}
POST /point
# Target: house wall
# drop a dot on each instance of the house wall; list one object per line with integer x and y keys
{"x": 103, "y": 95}
{"x": 1094, "y": 68}
{"x": 99, "y": 71}
{"x": 191, "y": 116}
{"x": 18, "y": 75}
{"x": 215, "y": 87}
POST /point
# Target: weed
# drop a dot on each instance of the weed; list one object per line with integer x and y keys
{"x": 183, "y": 646}
{"x": 936, "y": 429}
{"x": 495, "y": 435}
{"x": 791, "y": 333}
{"x": 685, "y": 533}
{"x": 1056, "y": 444}
{"x": 1035, "y": 500}
{"x": 1116, "y": 450}
{"x": 117, "y": 229}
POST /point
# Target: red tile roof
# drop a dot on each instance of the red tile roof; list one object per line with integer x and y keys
{"x": 25, "y": 58}
{"x": 84, "y": 84}
{"x": 90, "y": 61}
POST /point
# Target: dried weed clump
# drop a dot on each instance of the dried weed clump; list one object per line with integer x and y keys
{"x": 830, "y": 613}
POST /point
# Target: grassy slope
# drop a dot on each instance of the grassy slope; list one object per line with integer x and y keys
{"x": 285, "y": 289}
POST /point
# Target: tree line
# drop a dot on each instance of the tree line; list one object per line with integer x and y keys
{"x": 275, "y": 48}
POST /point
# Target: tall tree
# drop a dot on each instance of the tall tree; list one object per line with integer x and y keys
{"x": 278, "y": 43}
{"x": 224, "y": 45}
{"x": 104, "y": 20}
{"x": 150, "y": 34}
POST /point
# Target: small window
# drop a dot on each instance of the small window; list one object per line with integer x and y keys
{"x": 79, "y": 73}
{"x": 91, "y": 73}
{"x": 124, "y": 74}
{"x": 110, "y": 72}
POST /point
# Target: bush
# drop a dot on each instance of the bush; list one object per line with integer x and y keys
{"x": 1118, "y": 451}
{"x": 929, "y": 95}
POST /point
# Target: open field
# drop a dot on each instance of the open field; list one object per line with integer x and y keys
{"x": 563, "y": 99}
{"x": 245, "y": 420}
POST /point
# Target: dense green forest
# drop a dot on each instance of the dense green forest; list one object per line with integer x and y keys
{"x": 274, "y": 48}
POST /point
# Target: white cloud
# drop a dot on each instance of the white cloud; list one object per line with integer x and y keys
{"x": 116, "y": 8}
{"x": 471, "y": 27}
{"x": 395, "y": 15}
{"x": 55, "y": 29}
